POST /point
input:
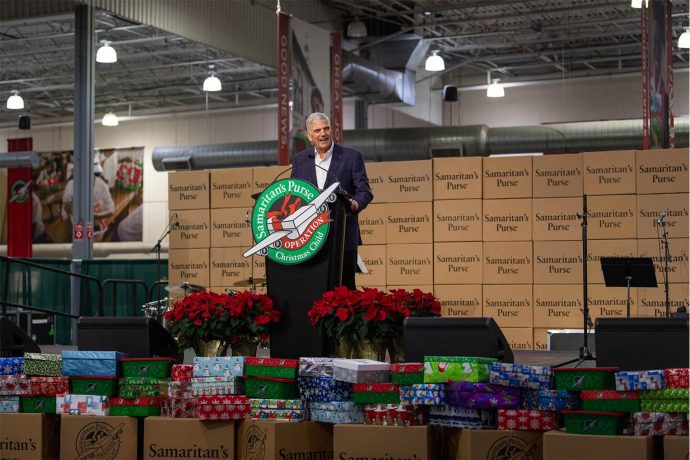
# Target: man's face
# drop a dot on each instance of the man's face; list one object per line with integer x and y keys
{"x": 319, "y": 135}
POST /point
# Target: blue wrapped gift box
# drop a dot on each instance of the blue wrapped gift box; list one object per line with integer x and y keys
{"x": 342, "y": 406}
{"x": 324, "y": 389}
{"x": 329, "y": 416}
{"x": 520, "y": 369}
{"x": 11, "y": 366}
{"x": 511, "y": 379}
{"x": 423, "y": 393}
{"x": 91, "y": 363}
{"x": 218, "y": 366}
{"x": 9, "y": 404}
{"x": 640, "y": 380}
{"x": 550, "y": 400}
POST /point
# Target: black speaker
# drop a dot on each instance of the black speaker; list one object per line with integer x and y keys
{"x": 636, "y": 344}
{"x": 138, "y": 337}
{"x": 24, "y": 122}
{"x": 450, "y": 93}
{"x": 454, "y": 337}
{"x": 14, "y": 341}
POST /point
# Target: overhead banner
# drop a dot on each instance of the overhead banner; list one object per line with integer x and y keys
{"x": 283, "y": 64}
{"x": 337, "y": 88}
{"x": 657, "y": 75}
{"x": 19, "y": 203}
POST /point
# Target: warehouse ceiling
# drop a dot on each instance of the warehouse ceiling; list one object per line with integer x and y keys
{"x": 159, "y": 72}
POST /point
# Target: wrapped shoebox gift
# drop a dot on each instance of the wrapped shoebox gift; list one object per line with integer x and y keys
{"x": 441, "y": 369}
{"x": 9, "y": 404}
{"x": 552, "y": 400}
{"x": 395, "y": 414}
{"x": 90, "y": 363}
{"x": 211, "y": 386}
{"x": 383, "y": 393}
{"x": 45, "y": 364}
{"x": 135, "y": 407}
{"x": 11, "y": 366}
{"x": 664, "y": 405}
{"x": 296, "y": 404}
{"x": 147, "y": 367}
{"x": 74, "y": 404}
{"x": 482, "y": 396}
{"x": 336, "y": 406}
{"x": 315, "y": 367}
{"x": 527, "y": 420}
{"x": 95, "y": 385}
{"x": 676, "y": 378}
{"x": 361, "y": 370}
{"x": 511, "y": 368}
{"x": 223, "y": 407}
{"x": 179, "y": 407}
{"x": 423, "y": 393}
{"x": 141, "y": 387}
{"x": 588, "y": 422}
{"x": 324, "y": 388}
{"x": 218, "y": 366}
{"x": 39, "y": 404}
{"x": 286, "y": 415}
{"x": 177, "y": 389}
{"x": 407, "y": 373}
{"x": 585, "y": 378}
{"x": 516, "y": 380}
{"x": 17, "y": 384}
{"x": 667, "y": 393}
{"x": 271, "y": 388}
{"x": 659, "y": 424}
{"x": 355, "y": 416}
{"x": 271, "y": 367}
{"x": 610, "y": 401}
{"x": 49, "y": 386}
{"x": 460, "y": 417}
{"x": 182, "y": 372}
{"x": 639, "y": 380}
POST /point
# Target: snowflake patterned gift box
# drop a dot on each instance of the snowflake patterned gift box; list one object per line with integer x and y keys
{"x": 91, "y": 363}
{"x": 676, "y": 378}
{"x": 335, "y": 406}
{"x": 324, "y": 388}
{"x": 223, "y": 407}
{"x": 659, "y": 424}
{"x": 217, "y": 386}
{"x": 283, "y": 415}
{"x": 18, "y": 384}
{"x": 9, "y": 404}
{"x": 44, "y": 364}
{"x": 552, "y": 400}
{"x": 218, "y": 366}
{"x": 442, "y": 369}
{"x": 49, "y": 386}
{"x": 94, "y": 385}
{"x": 147, "y": 367}
{"x": 527, "y": 420}
{"x": 355, "y": 416}
{"x": 315, "y": 367}
{"x": 11, "y": 366}
{"x": 271, "y": 367}
{"x": 361, "y": 370}
{"x": 182, "y": 372}
{"x": 639, "y": 380}
{"x": 610, "y": 401}
{"x": 407, "y": 373}
{"x": 384, "y": 393}
{"x": 423, "y": 393}
{"x": 82, "y": 404}
{"x": 482, "y": 395}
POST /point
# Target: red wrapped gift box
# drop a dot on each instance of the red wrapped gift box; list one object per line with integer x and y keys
{"x": 676, "y": 378}
{"x": 49, "y": 386}
{"x": 223, "y": 407}
{"x": 376, "y": 388}
{"x": 395, "y": 414}
{"x": 659, "y": 423}
{"x": 272, "y": 362}
{"x": 181, "y": 372}
{"x": 407, "y": 368}
{"x": 179, "y": 407}
{"x": 609, "y": 394}
{"x": 527, "y": 420}
{"x": 17, "y": 384}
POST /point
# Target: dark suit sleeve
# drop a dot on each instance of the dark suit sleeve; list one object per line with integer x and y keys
{"x": 362, "y": 193}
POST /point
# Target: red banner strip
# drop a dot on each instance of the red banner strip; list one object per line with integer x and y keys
{"x": 19, "y": 222}
{"x": 284, "y": 67}
{"x": 337, "y": 89}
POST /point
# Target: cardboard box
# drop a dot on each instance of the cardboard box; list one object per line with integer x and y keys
{"x": 374, "y": 258}
{"x": 557, "y": 306}
{"x": 231, "y": 228}
{"x": 677, "y": 266}
{"x": 675, "y": 207}
{"x": 457, "y": 178}
{"x": 400, "y": 181}
{"x": 228, "y": 266}
{"x": 495, "y": 444}
{"x": 612, "y": 217}
{"x": 609, "y": 173}
{"x": 166, "y": 437}
{"x": 458, "y": 220}
{"x": 372, "y": 224}
{"x": 662, "y": 171}
{"x": 507, "y": 262}
{"x": 193, "y": 230}
{"x": 29, "y": 436}
{"x": 596, "y": 249}
{"x": 188, "y": 265}
{"x": 409, "y": 223}
{"x": 375, "y": 441}
{"x": 568, "y": 446}
{"x": 232, "y": 188}
{"x": 421, "y": 287}
{"x": 610, "y": 302}
{"x": 258, "y": 266}
{"x": 409, "y": 264}
{"x": 458, "y": 263}
{"x": 507, "y": 220}
{"x": 460, "y": 300}
{"x": 675, "y": 447}
{"x": 519, "y": 338}
{"x": 266, "y": 440}
{"x": 541, "y": 338}
{"x": 263, "y": 176}
{"x": 510, "y": 305}
{"x": 652, "y": 301}
{"x": 107, "y": 437}
{"x": 558, "y": 262}
{"x": 507, "y": 177}
{"x": 556, "y": 219}
{"x": 557, "y": 175}
{"x": 188, "y": 190}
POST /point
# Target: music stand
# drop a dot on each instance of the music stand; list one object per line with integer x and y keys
{"x": 628, "y": 272}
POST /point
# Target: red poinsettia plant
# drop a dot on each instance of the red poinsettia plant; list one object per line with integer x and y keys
{"x": 242, "y": 317}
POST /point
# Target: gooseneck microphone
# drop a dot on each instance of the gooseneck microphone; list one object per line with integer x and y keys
{"x": 662, "y": 214}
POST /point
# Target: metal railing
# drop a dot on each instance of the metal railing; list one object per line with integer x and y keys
{"x": 133, "y": 304}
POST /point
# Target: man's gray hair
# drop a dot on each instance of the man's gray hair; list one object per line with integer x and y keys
{"x": 316, "y": 116}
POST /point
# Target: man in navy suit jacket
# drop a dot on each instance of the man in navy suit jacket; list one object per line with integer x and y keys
{"x": 343, "y": 165}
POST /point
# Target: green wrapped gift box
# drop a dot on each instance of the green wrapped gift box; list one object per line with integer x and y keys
{"x": 271, "y": 388}
{"x": 610, "y": 401}
{"x": 585, "y": 378}
{"x": 587, "y": 422}
{"x": 376, "y": 393}
{"x": 141, "y": 387}
{"x": 442, "y": 369}
{"x": 407, "y": 379}
{"x": 147, "y": 367}
{"x": 43, "y": 364}
{"x": 668, "y": 393}
{"x": 137, "y": 407}
{"x": 99, "y": 386}
{"x": 39, "y": 404}
{"x": 271, "y": 367}
{"x": 664, "y": 405}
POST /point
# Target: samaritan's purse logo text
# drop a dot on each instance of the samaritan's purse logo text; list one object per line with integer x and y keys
{"x": 290, "y": 221}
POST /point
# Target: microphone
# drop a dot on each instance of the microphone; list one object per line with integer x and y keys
{"x": 246, "y": 219}
{"x": 662, "y": 214}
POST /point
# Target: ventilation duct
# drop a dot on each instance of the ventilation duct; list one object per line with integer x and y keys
{"x": 377, "y": 84}
{"x": 26, "y": 159}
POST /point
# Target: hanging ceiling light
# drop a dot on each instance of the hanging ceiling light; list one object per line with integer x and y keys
{"x": 212, "y": 83}
{"x": 434, "y": 63}
{"x": 110, "y": 119}
{"x": 356, "y": 29}
{"x": 495, "y": 89}
{"x": 638, "y": 3}
{"x": 15, "y": 101}
{"x": 684, "y": 39}
{"x": 106, "y": 54}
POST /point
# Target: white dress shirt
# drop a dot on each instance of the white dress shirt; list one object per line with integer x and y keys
{"x": 322, "y": 166}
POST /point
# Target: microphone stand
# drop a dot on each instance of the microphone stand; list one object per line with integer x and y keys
{"x": 667, "y": 258}
{"x": 166, "y": 231}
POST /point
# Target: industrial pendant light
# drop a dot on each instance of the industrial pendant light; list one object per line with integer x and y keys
{"x": 434, "y": 63}
{"x": 638, "y": 3}
{"x": 212, "y": 83}
{"x": 110, "y": 119}
{"x": 495, "y": 89}
{"x": 356, "y": 29}
{"x": 15, "y": 101}
{"x": 106, "y": 54}
{"x": 684, "y": 39}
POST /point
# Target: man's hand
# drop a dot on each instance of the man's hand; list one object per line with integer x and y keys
{"x": 354, "y": 206}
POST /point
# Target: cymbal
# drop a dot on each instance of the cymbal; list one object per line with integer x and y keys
{"x": 251, "y": 282}
{"x": 184, "y": 288}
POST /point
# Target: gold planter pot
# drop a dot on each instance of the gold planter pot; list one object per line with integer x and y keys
{"x": 211, "y": 348}
{"x": 361, "y": 349}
